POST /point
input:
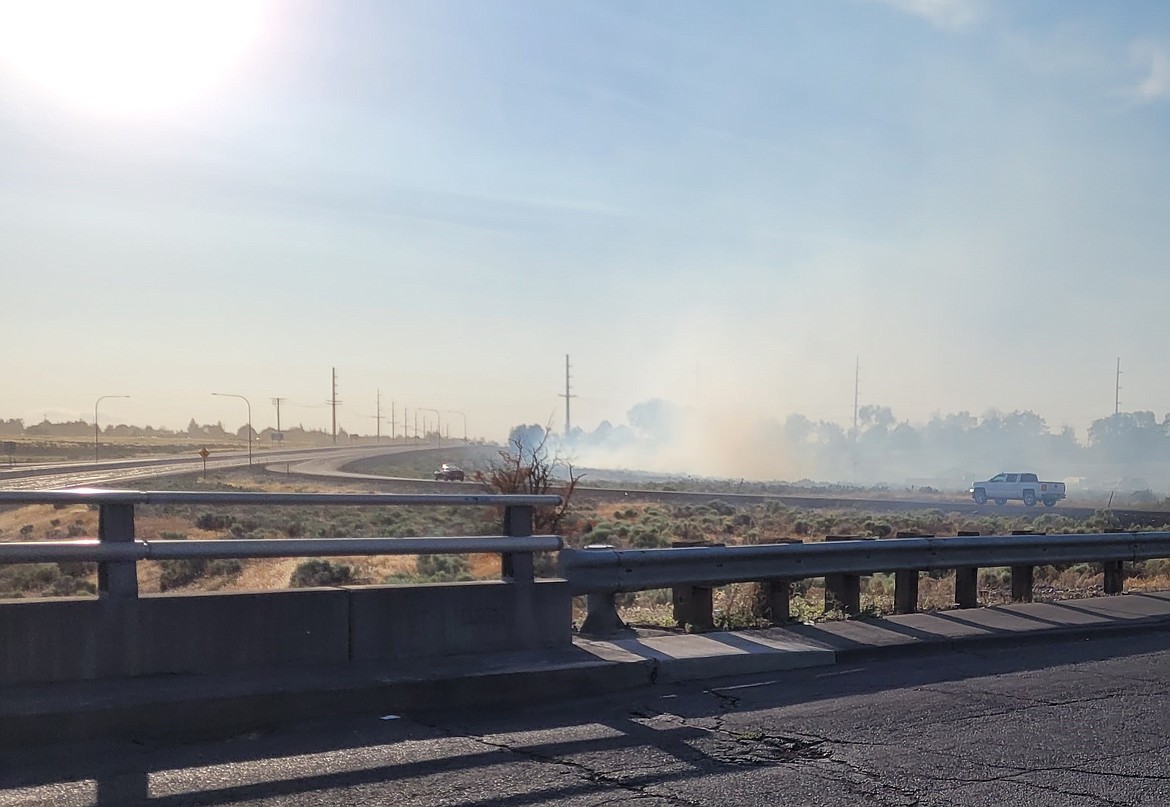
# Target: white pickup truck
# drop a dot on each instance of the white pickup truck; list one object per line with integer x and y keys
{"x": 1019, "y": 487}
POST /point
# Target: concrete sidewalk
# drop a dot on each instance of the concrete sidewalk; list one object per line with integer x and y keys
{"x": 224, "y": 704}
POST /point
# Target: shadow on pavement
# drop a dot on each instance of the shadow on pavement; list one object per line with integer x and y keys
{"x": 659, "y": 721}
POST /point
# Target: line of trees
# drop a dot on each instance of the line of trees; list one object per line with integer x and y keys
{"x": 950, "y": 448}
{"x": 15, "y": 427}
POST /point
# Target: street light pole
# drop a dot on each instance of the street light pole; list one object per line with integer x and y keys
{"x": 462, "y": 415}
{"x": 96, "y": 431}
{"x": 438, "y": 425}
{"x": 249, "y": 403}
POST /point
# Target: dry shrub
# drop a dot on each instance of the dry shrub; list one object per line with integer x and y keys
{"x": 532, "y": 470}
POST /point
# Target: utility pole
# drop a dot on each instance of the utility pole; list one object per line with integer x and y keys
{"x": 856, "y": 398}
{"x": 334, "y": 402}
{"x": 393, "y": 423}
{"x": 567, "y": 395}
{"x": 856, "y": 391}
{"x": 438, "y": 426}
{"x": 278, "y": 402}
{"x": 378, "y": 439}
{"x": 1117, "y": 389}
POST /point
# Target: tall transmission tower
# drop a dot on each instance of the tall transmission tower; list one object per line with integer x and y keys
{"x": 856, "y": 390}
{"x": 856, "y": 398}
{"x": 567, "y": 395}
{"x": 1117, "y": 389}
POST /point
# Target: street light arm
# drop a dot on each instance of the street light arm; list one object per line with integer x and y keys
{"x": 462, "y": 415}
{"x": 249, "y": 405}
{"x": 96, "y": 430}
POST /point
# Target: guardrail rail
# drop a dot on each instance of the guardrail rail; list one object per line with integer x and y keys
{"x": 117, "y": 551}
{"x": 601, "y": 572}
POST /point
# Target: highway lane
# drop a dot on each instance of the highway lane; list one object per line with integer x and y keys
{"x": 1051, "y": 725}
{"x": 1127, "y": 517}
{"x": 332, "y": 462}
{"x": 67, "y": 475}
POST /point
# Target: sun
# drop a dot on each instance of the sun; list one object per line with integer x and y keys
{"x": 127, "y": 56}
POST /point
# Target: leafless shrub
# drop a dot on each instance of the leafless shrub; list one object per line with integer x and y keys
{"x": 527, "y": 466}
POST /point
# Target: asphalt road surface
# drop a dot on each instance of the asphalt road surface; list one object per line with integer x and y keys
{"x": 1080, "y": 723}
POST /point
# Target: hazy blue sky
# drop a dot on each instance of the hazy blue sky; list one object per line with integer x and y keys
{"x": 720, "y": 204}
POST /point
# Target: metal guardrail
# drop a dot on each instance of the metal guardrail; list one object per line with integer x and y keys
{"x": 608, "y": 569}
{"x": 116, "y": 549}
{"x": 109, "y": 496}
{"x": 94, "y": 550}
{"x": 600, "y": 572}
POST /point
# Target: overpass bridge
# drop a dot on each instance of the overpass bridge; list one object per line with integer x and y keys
{"x": 78, "y": 666}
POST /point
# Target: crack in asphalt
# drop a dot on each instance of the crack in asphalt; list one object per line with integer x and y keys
{"x": 587, "y": 773}
{"x": 1075, "y": 793}
{"x": 743, "y": 747}
{"x": 872, "y": 789}
{"x": 1027, "y": 704}
{"x": 1080, "y": 767}
{"x": 725, "y": 701}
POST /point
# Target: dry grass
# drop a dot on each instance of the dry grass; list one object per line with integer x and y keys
{"x": 646, "y": 608}
{"x": 42, "y": 518}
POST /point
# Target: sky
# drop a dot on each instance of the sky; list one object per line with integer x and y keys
{"x": 742, "y": 208}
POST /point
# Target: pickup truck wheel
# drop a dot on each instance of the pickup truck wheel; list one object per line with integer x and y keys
{"x": 1001, "y": 502}
{"x": 980, "y": 496}
{"x": 1050, "y": 502}
{"x": 1030, "y": 498}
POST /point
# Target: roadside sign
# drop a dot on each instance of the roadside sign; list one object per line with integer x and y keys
{"x": 203, "y": 452}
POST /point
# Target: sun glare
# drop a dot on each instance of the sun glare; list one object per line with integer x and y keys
{"x": 127, "y": 56}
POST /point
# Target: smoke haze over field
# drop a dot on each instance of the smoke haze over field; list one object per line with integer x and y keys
{"x": 718, "y": 206}
{"x": 1129, "y": 450}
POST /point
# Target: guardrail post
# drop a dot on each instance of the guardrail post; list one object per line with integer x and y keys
{"x": 906, "y": 582}
{"x": 967, "y": 587}
{"x": 776, "y": 601}
{"x": 774, "y": 597}
{"x": 1114, "y": 576}
{"x": 1022, "y": 583}
{"x": 693, "y": 608}
{"x": 1023, "y": 576}
{"x": 843, "y": 590}
{"x": 117, "y": 580}
{"x": 601, "y": 615}
{"x": 693, "y": 605}
{"x": 905, "y": 592}
{"x": 967, "y": 581}
{"x": 517, "y": 567}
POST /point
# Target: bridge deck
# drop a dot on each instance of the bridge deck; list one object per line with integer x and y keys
{"x": 200, "y": 706}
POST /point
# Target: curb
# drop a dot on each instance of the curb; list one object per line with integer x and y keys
{"x": 143, "y": 716}
{"x": 224, "y": 706}
{"x": 925, "y": 647}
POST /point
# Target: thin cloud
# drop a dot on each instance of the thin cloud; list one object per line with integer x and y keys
{"x": 1154, "y": 61}
{"x": 948, "y": 14}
